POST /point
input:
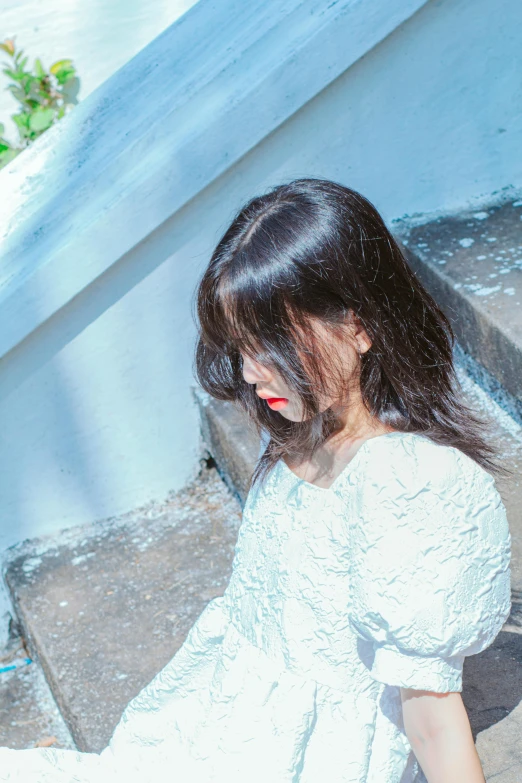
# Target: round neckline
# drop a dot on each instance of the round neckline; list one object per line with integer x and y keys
{"x": 347, "y": 468}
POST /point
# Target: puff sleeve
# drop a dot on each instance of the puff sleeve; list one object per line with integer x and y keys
{"x": 431, "y": 554}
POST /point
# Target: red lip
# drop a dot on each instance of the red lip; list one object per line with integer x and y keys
{"x": 274, "y": 402}
{"x": 277, "y": 403}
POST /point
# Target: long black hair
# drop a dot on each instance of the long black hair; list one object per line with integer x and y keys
{"x": 316, "y": 249}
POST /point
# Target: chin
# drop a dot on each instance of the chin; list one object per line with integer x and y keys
{"x": 289, "y": 414}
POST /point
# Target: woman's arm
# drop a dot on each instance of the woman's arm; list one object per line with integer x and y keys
{"x": 439, "y": 733}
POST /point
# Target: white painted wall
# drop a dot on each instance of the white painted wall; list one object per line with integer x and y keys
{"x": 99, "y": 36}
{"x": 94, "y": 384}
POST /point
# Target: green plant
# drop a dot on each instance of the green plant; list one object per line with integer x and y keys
{"x": 45, "y": 96}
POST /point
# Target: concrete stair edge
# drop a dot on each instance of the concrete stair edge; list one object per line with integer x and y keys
{"x": 447, "y": 252}
{"x": 230, "y": 439}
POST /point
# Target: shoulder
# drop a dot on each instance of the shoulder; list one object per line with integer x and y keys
{"x": 410, "y": 477}
{"x": 410, "y": 459}
{"x": 419, "y": 497}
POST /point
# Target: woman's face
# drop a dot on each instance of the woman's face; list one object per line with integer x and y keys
{"x": 271, "y": 387}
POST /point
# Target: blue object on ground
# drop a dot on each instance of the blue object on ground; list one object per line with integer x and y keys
{"x": 25, "y": 662}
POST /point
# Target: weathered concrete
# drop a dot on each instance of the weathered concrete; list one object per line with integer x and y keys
{"x": 506, "y": 434}
{"x": 106, "y": 606}
{"x": 230, "y": 439}
{"x": 492, "y": 693}
{"x": 472, "y": 265}
{"x": 28, "y": 713}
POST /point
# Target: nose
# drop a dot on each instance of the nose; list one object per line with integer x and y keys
{"x": 254, "y": 372}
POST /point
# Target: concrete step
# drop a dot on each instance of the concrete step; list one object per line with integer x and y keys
{"x": 492, "y": 684}
{"x": 230, "y": 439}
{"x": 105, "y": 607}
{"x": 29, "y": 716}
{"x": 471, "y": 262}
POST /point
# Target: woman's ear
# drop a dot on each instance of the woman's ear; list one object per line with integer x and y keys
{"x": 358, "y": 333}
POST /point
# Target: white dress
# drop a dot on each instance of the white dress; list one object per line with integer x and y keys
{"x": 338, "y": 597}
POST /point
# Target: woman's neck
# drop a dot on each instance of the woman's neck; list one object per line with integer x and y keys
{"x": 357, "y": 425}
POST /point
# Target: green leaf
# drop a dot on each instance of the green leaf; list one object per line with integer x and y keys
{"x": 8, "y": 155}
{"x": 25, "y": 133}
{"x": 28, "y": 83}
{"x": 35, "y": 89}
{"x": 39, "y": 69}
{"x": 17, "y": 92}
{"x": 22, "y": 119}
{"x": 64, "y": 75}
{"x": 59, "y": 64}
{"x": 11, "y": 74}
{"x": 41, "y": 119}
{"x": 70, "y": 90}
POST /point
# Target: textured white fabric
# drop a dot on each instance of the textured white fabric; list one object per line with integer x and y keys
{"x": 338, "y": 596}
